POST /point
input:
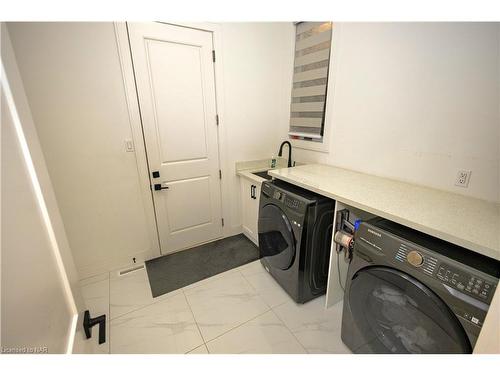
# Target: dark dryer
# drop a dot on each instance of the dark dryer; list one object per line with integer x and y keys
{"x": 408, "y": 292}
{"x": 295, "y": 232}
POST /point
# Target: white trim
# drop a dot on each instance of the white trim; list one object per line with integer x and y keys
{"x": 324, "y": 146}
{"x": 137, "y": 136}
{"x": 308, "y": 135}
{"x": 203, "y": 26}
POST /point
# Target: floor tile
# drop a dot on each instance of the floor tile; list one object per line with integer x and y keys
{"x": 202, "y": 349}
{"x": 94, "y": 279}
{"x": 224, "y": 303}
{"x": 265, "y": 334}
{"x": 316, "y": 328}
{"x": 210, "y": 279}
{"x": 167, "y": 326}
{"x": 96, "y": 298}
{"x": 131, "y": 292}
{"x": 267, "y": 288}
{"x": 251, "y": 268}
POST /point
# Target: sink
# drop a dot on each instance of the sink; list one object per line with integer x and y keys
{"x": 263, "y": 174}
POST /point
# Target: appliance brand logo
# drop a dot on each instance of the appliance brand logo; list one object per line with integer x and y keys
{"x": 375, "y": 233}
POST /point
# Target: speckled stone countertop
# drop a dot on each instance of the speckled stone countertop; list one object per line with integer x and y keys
{"x": 247, "y": 168}
{"x": 468, "y": 222}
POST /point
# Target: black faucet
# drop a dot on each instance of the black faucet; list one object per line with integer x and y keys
{"x": 280, "y": 152}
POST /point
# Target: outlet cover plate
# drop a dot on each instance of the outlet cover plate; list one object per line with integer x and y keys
{"x": 463, "y": 178}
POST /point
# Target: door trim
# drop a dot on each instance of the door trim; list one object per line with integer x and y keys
{"x": 138, "y": 136}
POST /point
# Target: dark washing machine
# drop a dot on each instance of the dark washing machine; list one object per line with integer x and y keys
{"x": 407, "y": 292}
{"x": 295, "y": 232}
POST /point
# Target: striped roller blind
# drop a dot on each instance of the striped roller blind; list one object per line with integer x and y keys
{"x": 310, "y": 79}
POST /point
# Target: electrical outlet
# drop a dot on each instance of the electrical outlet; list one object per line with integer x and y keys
{"x": 463, "y": 178}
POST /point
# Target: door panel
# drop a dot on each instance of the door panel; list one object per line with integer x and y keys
{"x": 185, "y": 198}
{"x": 175, "y": 83}
{"x": 177, "y": 92}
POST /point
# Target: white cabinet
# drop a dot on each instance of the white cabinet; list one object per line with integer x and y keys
{"x": 250, "y": 195}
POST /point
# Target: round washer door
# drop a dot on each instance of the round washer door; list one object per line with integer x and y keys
{"x": 276, "y": 240}
{"x": 395, "y": 313}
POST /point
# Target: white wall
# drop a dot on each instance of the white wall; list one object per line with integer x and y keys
{"x": 72, "y": 77}
{"x": 416, "y": 102}
{"x": 256, "y": 62}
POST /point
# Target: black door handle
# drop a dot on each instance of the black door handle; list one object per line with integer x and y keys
{"x": 251, "y": 191}
{"x": 89, "y": 322}
{"x": 159, "y": 187}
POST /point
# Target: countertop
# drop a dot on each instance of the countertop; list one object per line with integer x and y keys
{"x": 248, "y": 173}
{"x": 467, "y": 222}
{"x": 247, "y": 168}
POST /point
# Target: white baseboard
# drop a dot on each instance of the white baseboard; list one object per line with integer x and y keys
{"x": 140, "y": 257}
{"x": 113, "y": 264}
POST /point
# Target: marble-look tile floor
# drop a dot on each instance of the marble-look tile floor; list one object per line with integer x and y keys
{"x": 239, "y": 311}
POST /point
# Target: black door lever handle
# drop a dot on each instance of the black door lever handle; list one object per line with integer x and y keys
{"x": 159, "y": 187}
{"x": 89, "y": 322}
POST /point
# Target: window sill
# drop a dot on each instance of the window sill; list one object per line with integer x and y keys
{"x": 312, "y": 146}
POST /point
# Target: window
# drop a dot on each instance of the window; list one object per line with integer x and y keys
{"x": 310, "y": 80}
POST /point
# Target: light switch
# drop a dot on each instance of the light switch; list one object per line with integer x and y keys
{"x": 129, "y": 145}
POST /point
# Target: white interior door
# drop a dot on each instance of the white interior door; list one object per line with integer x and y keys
{"x": 41, "y": 305}
{"x": 175, "y": 83}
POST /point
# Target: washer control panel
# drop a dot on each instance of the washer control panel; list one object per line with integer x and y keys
{"x": 465, "y": 282}
{"x": 288, "y": 200}
{"x": 278, "y": 195}
{"x": 292, "y": 203}
{"x": 417, "y": 258}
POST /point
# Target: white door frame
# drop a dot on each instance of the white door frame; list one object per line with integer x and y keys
{"x": 137, "y": 132}
{"x": 137, "y": 135}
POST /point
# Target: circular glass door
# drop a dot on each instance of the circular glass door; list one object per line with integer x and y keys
{"x": 276, "y": 240}
{"x": 395, "y": 313}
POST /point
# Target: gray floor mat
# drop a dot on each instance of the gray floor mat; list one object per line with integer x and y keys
{"x": 174, "y": 271}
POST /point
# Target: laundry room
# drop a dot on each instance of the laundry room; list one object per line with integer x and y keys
{"x": 250, "y": 186}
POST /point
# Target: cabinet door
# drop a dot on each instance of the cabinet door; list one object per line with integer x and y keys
{"x": 249, "y": 208}
{"x": 254, "y": 212}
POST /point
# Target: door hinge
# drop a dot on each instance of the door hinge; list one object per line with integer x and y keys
{"x": 213, "y": 55}
{"x": 222, "y": 221}
{"x": 217, "y": 120}
{"x": 220, "y": 174}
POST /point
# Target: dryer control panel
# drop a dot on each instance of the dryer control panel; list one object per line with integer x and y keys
{"x": 465, "y": 282}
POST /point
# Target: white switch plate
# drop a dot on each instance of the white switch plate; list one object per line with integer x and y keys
{"x": 463, "y": 178}
{"x": 129, "y": 145}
